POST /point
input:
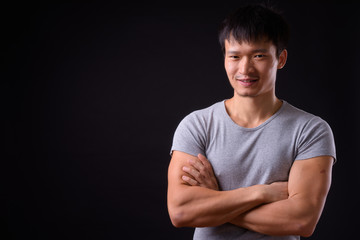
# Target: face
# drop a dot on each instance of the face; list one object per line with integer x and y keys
{"x": 252, "y": 67}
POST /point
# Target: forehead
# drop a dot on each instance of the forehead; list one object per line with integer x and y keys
{"x": 244, "y": 47}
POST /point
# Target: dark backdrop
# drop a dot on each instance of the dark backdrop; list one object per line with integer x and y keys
{"x": 92, "y": 94}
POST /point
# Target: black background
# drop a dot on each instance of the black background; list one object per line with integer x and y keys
{"x": 92, "y": 94}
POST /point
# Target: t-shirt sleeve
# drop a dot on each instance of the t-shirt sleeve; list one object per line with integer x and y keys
{"x": 316, "y": 140}
{"x": 189, "y": 136}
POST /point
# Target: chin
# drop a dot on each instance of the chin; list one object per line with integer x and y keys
{"x": 246, "y": 94}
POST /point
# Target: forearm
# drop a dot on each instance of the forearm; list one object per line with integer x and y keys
{"x": 194, "y": 206}
{"x": 293, "y": 216}
{"x": 309, "y": 183}
{"x": 201, "y": 207}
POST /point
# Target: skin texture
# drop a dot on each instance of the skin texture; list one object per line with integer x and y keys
{"x": 298, "y": 214}
{"x": 252, "y": 105}
{"x": 309, "y": 183}
{"x": 252, "y": 61}
{"x": 201, "y": 172}
{"x": 195, "y": 206}
{"x": 281, "y": 208}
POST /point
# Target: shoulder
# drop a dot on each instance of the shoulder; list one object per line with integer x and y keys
{"x": 198, "y": 123}
{"x": 191, "y": 134}
{"x": 295, "y": 112}
{"x": 301, "y": 117}
{"x": 314, "y": 136}
{"x": 204, "y": 116}
{"x": 307, "y": 126}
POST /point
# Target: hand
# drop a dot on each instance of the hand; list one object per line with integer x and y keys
{"x": 276, "y": 191}
{"x": 200, "y": 173}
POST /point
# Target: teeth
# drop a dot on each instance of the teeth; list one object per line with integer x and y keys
{"x": 246, "y": 81}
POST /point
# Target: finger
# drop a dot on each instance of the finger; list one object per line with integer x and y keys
{"x": 190, "y": 181}
{"x": 196, "y": 164}
{"x": 191, "y": 171}
{"x": 203, "y": 160}
{"x": 201, "y": 157}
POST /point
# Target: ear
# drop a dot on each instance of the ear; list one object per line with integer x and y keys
{"x": 282, "y": 59}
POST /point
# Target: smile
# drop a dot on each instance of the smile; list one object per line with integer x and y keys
{"x": 247, "y": 82}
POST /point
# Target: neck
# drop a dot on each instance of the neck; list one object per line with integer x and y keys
{"x": 251, "y": 112}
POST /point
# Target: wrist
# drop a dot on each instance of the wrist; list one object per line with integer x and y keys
{"x": 264, "y": 192}
{"x": 260, "y": 193}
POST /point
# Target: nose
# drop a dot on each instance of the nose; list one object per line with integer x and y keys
{"x": 245, "y": 66}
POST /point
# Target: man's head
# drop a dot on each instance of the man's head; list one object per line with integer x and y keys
{"x": 253, "y": 40}
{"x": 255, "y": 23}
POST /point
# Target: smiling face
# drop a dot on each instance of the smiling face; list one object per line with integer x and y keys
{"x": 251, "y": 67}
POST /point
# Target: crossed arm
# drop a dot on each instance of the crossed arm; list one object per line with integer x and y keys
{"x": 291, "y": 208}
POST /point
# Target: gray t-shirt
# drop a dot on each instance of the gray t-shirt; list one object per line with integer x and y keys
{"x": 244, "y": 157}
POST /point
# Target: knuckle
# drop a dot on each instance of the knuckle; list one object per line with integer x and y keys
{"x": 195, "y": 173}
{"x": 194, "y": 182}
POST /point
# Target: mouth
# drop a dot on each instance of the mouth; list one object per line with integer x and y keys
{"x": 247, "y": 82}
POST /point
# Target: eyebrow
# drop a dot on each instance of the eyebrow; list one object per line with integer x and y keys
{"x": 259, "y": 50}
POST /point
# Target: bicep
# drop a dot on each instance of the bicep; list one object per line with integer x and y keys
{"x": 310, "y": 180}
{"x": 175, "y": 173}
{"x": 186, "y": 203}
{"x": 308, "y": 185}
{"x": 178, "y": 160}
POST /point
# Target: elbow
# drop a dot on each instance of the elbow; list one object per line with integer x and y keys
{"x": 183, "y": 216}
{"x": 307, "y": 231}
{"x": 178, "y": 212}
{"x": 177, "y": 217}
{"x": 305, "y": 228}
{"x": 305, "y": 221}
{"x": 181, "y": 213}
{"x": 177, "y": 220}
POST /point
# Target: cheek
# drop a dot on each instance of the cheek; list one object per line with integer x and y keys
{"x": 268, "y": 69}
{"x": 273, "y": 70}
{"x": 230, "y": 68}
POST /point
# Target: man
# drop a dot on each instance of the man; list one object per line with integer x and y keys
{"x": 253, "y": 166}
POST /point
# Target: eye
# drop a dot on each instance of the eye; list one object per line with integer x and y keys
{"x": 259, "y": 56}
{"x": 234, "y": 57}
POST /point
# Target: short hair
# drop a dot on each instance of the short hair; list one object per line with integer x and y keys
{"x": 252, "y": 23}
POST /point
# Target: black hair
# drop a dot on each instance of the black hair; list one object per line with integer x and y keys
{"x": 255, "y": 22}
